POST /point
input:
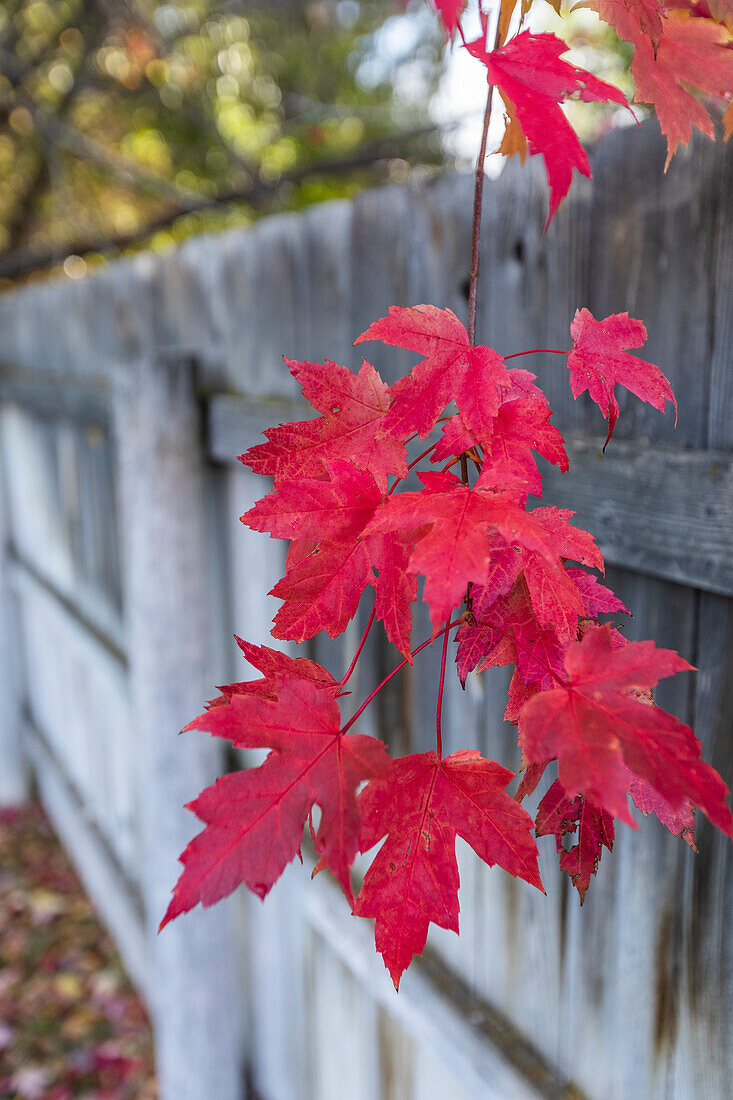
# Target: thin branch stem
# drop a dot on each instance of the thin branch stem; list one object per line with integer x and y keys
{"x": 438, "y": 729}
{"x": 534, "y": 351}
{"x": 364, "y": 637}
{"x": 478, "y": 192}
{"x": 388, "y": 677}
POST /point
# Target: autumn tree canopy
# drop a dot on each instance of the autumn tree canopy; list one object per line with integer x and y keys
{"x": 128, "y": 122}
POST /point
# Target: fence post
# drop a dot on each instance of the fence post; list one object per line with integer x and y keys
{"x": 192, "y": 988}
{"x": 13, "y": 767}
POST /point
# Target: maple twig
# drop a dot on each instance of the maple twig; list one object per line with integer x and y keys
{"x": 356, "y": 656}
{"x": 533, "y": 351}
{"x": 438, "y": 729}
{"x": 403, "y": 662}
{"x": 478, "y": 193}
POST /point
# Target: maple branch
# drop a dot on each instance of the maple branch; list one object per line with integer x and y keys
{"x": 438, "y": 730}
{"x": 533, "y": 351}
{"x": 364, "y": 637}
{"x": 388, "y": 677}
{"x": 478, "y": 193}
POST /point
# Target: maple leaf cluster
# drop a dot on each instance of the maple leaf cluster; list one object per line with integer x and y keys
{"x": 682, "y": 65}
{"x": 509, "y": 582}
{"x": 499, "y": 574}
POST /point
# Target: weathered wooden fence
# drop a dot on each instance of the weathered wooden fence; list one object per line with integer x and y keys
{"x": 123, "y": 401}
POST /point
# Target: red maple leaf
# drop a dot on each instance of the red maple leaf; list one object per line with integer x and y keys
{"x": 254, "y": 819}
{"x": 529, "y": 73}
{"x": 598, "y": 599}
{"x": 507, "y": 631}
{"x": 522, "y": 425}
{"x": 353, "y": 408}
{"x": 692, "y": 52}
{"x": 599, "y": 360}
{"x": 632, "y": 18}
{"x": 559, "y": 814}
{"x": 336, "y": 507}
{"x": 593, "y": 725}
{"x": 487, "y": 639}
{"x": 321, "y": 590}
{"x": 554, "y": 595}
{"x": 452, "y": 369}
{"x": 272, "y": 663}
{"x": 450, "y": 12}
{"x": 421, "y": 807}
{"x": 679, "y": 820}
{"x": 453, "y": 547}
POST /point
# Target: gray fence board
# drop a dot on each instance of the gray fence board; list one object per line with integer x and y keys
{"x": 654, "y": 509}
{"x": 194, "y": 1003}
{"x": 114, "y": 894}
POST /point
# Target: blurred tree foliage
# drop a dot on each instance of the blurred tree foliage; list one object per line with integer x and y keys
{"x": 129, "y": 122}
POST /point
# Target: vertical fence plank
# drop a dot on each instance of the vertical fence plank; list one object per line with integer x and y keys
{"x": 13, "y": 776}
{"x": 194, "y": 1000}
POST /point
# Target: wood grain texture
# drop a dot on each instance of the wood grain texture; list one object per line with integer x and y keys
{"x": 656, "y": 510}
{"x": 114, "y": 894}
{"x": 195, "y": 1003}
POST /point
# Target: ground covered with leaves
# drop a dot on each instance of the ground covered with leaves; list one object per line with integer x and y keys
{"x": 71, "y": 1024}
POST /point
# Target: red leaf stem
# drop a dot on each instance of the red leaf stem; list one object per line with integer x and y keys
{"x": 533, "y": 351}
{"x": 356, "y": 656}
{"x": 438, "y": 730}
{"x": 394, "y": 672}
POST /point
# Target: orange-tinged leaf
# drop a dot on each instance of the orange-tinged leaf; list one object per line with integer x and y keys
{"x": 632, "y": 19}
{"x": 722, "y": 12}
{"x": 693, "y": 53}
{"x": 529, "y": 72}
{"x": 513, "y": 141}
